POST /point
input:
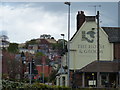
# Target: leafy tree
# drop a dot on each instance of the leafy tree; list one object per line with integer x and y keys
{"x": 52, "y": 76}
{"x": 31, "y": 42}
{"x": 11, "y": 66}
{"x": 52, "y": 37}
{"x": 3, "y": 49}
{"x": 59, "y": 46}
{"x": 39, "y": 54}
{"x": 45, "y": 36}
{"x": 38, "y": 58}
{"x": 4, "y": 37}
{"x": 13, "y": 48}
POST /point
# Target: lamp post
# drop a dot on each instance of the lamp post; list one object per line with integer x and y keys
{"x": 63, "y": 40}
{"x": 68, "y": 46}
{"x": 61, "y": 59}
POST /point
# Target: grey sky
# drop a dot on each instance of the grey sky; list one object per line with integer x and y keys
{"x": 28, "y": 20}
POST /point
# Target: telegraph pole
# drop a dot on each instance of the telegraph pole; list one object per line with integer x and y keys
{"x": 30, "y": 72}
{"x": 98, "y": 41}
{"x": 98, "y": 50}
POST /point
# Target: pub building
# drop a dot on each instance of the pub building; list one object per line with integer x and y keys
{"x": 85, "y": 69}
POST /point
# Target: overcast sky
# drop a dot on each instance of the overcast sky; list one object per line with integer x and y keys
{"x": 25, "y": 21}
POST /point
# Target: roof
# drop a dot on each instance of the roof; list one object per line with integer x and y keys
{"x": 113, "y": 33}
{"x": 101, "y": 66}
{"x": 90, "y": 18}
{"x": 61, "y": 71}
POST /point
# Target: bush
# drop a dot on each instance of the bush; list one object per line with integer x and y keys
{"x": 6, "y": 84}
{"x": 41, "y": 85}
{"x": 10, "y": 84}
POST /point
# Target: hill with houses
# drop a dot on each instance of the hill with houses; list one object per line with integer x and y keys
{"x": 44, "y": 53}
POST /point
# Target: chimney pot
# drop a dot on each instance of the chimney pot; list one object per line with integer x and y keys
{"x": 82, "y": 12}
{"x": 80, "y": 19}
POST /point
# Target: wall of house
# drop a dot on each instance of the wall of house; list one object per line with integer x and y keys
{"x": 47, "y": 70}
{"x": 83, "y": 46}
{"x": 61, "y": 80}
{"x": 116, "y": 51}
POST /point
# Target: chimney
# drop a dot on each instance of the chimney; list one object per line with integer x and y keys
{"x": 80, "y": 19}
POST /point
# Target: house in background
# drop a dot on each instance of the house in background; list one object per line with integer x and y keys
{"x": 26, "y": 51}
{"x": 43, "y": 68}
{"x": 85, "y": 69}
{"x": 44, "y": 46}
{"x": 4, "y": 43}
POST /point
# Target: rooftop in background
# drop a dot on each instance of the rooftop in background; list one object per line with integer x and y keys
{"x": 113, "y": 33}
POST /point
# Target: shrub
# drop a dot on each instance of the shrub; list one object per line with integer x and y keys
{"x": 10, "y": 84}
{"x": 6, "y": 84}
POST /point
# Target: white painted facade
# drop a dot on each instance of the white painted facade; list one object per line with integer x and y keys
{"x": 83, "y": 47}
{"x": 61, "y": 80}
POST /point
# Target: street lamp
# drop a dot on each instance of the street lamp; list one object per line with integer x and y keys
{"x": 61, "y": 69}
{"x": 63, "y": 40}
{"x": 68, "y": 46}
{"x": 93, "y": 79}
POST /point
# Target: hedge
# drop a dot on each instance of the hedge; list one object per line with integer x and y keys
{"x": 10, "y": 85}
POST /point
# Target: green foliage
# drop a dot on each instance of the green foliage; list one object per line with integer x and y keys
{"x": 6, "y": 85}
{"x": 39, "y": 54}
{"x": 58, "y": 46}
{"x": 53, "y": 76}
{"x": 42, "y": 86}
{"x": 3, "y": 49}
{"x": 10, "y": 84}
{"x": 45, "y": 36}
{"x": 5, "y": 76}
{"x": 13, "y": 48}
{"x": 31, "y": 42}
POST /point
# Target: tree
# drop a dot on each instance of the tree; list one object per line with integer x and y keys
{"x": 31, "y": 42}
{"x": 59, "y": 46}
{"x": 38, "y": 58}
{"x": 13, "y": 48}
{"x": 4, "y": 37}
{"x": 53, "y": 76}
{"x": 45, "y": 36}
{"x": 10, "y": 66}
{"x": 39, "y": 54}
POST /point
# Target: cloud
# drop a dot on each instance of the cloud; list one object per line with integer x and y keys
{"x": 25, "y": 21}
{"x": 24, "y": 24}
{"x": 61, "y": 0}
